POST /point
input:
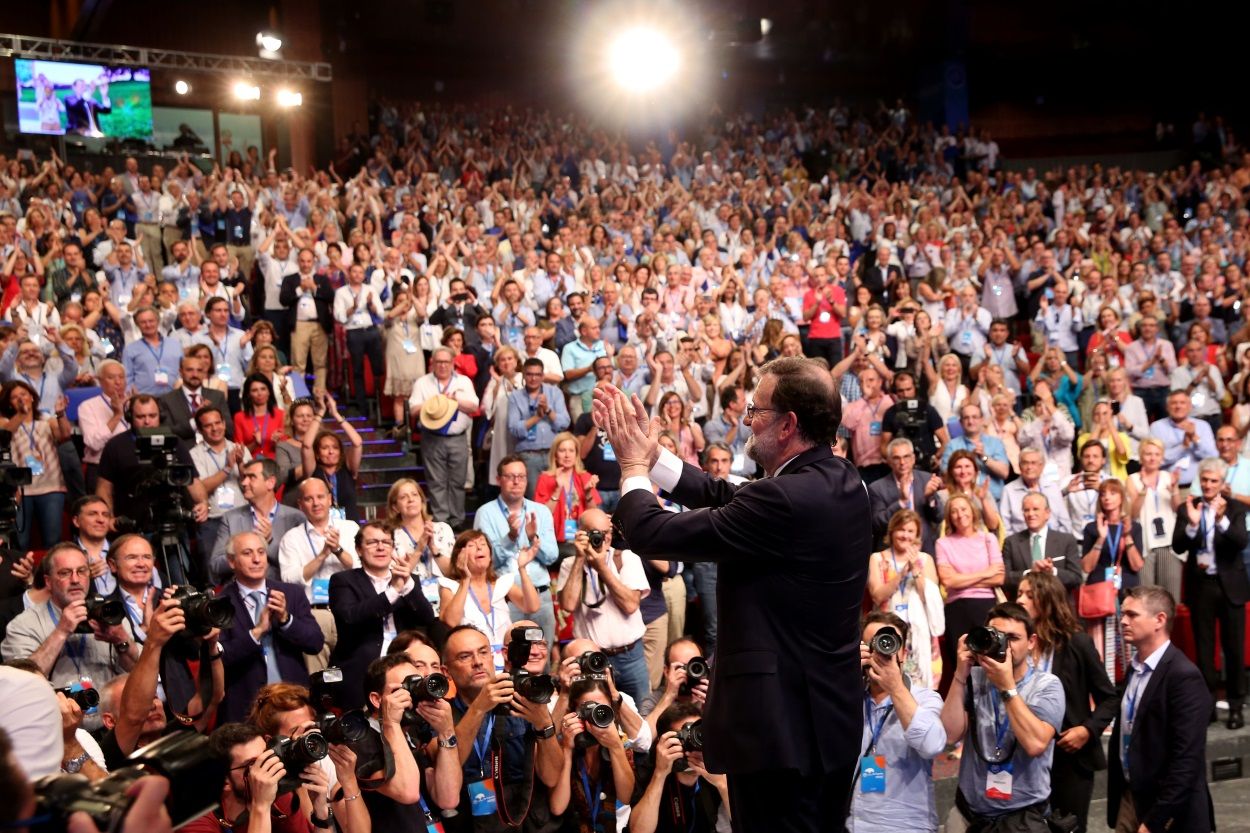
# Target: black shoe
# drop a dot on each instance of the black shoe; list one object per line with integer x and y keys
{"x": 1235, "y": 718}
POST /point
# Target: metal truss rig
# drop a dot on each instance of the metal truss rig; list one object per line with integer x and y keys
{"x": 21, "y": 46}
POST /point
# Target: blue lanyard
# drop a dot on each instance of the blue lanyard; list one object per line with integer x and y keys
{"x": 875, "y": 733}
{"x": 1113, "y": 541}
{"x": 1000, "y": 728}
{"x": 593, "y": 799}
{"x": 155, "y": 355}
{"x": 902, "y": 579}
{"x": 490, "y": 618}
{"x": 333, "y": 479}
{"x": 225, "y": 346}
{"x": 30, "y": 433}
{"x": 308, "y": 535}
{"x": 43, "y": 380}
{"x": 74, "y": 654}
{"x": 225, "y": 457}
{"x": 481, "y": 743}
{"x": 569, "y": 494}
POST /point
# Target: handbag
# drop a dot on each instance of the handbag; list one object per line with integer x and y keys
{"x": 1097, "y": 601}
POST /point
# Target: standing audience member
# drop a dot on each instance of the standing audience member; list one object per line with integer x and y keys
{"x": 969, "y": 566}
{"x": 903, "y": 581}
{"x": 446, "y": 403}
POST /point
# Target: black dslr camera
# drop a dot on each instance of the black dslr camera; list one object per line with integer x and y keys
{"x": 537, "y": 688}
{"x": 427, "y": 689}
{"x": 296, "y": 754}
{"x": 596, "y": 714}
{"x": 596, "y": 537}
{"x": 195, "y": 777}
{"x": 887, "y": 641}
{"x": 593, "y": 665}
{"x": 203, "y": 611}
{"x": 104, "y": 612}
{"x": 988, "y": 642}
{"x": 691, "y": 737}
{"x": 350, "y": 728}
{"x": 697, "y": 670}
{"x": 86, "y": 698}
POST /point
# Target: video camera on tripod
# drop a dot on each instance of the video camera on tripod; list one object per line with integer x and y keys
{"x": 12, "y": 478}
{"x": 162, "y": 484}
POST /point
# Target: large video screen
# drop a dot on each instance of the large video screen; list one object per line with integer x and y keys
{"x": 63, "y": 99}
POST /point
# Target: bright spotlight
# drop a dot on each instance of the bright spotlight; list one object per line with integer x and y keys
{"x": 269, "y": 44}
{"x": 642, "y": 59}
{"x": 246, "y": 91}
{"x": 766, "y": 26}
{"x": 181, "y": 87}
{"x": 290, "y": 98}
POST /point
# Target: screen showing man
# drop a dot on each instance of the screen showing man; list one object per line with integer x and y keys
{"x": 83, "y": 99}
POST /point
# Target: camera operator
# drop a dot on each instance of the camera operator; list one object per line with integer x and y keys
{"x": 913, "y": 418}
{"x": 250, "y": 799}
{"x": 597, "y": 778}
{"x": 218, "y": 465}
{"x": 677, "y": 688}
{"x": 1008, "y": 714}
{"x": 123, "y": 477}
{"x": 470, "y": 662}
{"x": 261, "y": 513}
{"x": 638, "y": 732}
{"x": 48, "y": 633}
{"x": 902, "y": 735}
{"x": 693, "y": 800}
{"x": 602, "y": 588}
{"x": 273, "y": 628}
{"x": 440, "y": 758}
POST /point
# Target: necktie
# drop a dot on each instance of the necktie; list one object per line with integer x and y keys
{"x": 1037, "y": 546}
{"x": 195, "y": 402}
{"x": 272, "y": 673}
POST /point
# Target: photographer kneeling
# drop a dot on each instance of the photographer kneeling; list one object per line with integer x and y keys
{"x": 597, "y": 774}
{"x": 693, "y": 800}
{"x": 1007, "y": 713}
{"x": 902, "y": 735}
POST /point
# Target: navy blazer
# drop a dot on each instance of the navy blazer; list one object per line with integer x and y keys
{"x": 792, "y": 550}
{"x": 242, "y": 656}
{"x": 886, "y": 501}
{"x": 359, "y": 611}
{"x": 1229, "y": 567}
{"x": 1168, "y": 778}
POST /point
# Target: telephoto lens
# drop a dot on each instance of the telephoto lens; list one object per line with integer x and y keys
{"x": 988, "y": 642}
{"x": 426, "y": 689}
{"x": 104, "y": 612}
{"x": 86, "y": 698}
{"x": 697, "y": 670}
{"x": 537, "y": 688}
{"x": 593, "y": 664}
{"x": 596, "y": 714}
{"x": 887, "y": 641}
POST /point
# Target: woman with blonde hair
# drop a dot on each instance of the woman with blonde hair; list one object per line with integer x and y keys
{"x": 1154, "y": 495}
{"x": 566, "y": 488}
{"x": 970, "y": 568}
{"x": 414, "y": 530}
{"x": 947, "y": 393}
{"x": 505, "y": 377}
{"x": 904, "y": 580}
{"x": 265, "y": 362}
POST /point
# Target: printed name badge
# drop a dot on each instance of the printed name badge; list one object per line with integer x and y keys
{"x": 1113, "y": 575}
{"x": 570, "y": 529}
{"x": 1149, "y": 372}
{"x": 1198, "y": 398}
{"x": 160, "y": 377}
{"x": 1050, "y": 473}
{"x": 609, "y": 453}
{"x": 76, "y": 297}
{"x": 321, "y": 591}
{"x": 433, "y": 827}
{"x": 35, "y": 465}
{"x": 482, "y": 798}
{"x": 998, "y": 782}
{"x": 225, "y": 498}
{"x": 966, "y": 338}
{"x": 409, "y": 346}
{"x": 874, "y": 428}
{"x": 429, "y": 589}
{"x": 872, "y": 774}
{"x": 107, "y": 345}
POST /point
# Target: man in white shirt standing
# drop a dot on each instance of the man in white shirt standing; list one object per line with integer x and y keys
{"x": 358, "y": 307}
{"x": 445, "y": 401}
{"x": 312, "y": 552}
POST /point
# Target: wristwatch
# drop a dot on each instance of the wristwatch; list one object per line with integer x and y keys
{"x": 548, "y": 733}
{"x": 450, "y": 743}
{"x": 217, "y": 651}
{"x": 75, "y": 764}
{"x": 1009, "y": 695}
{"x": 985, "y": 458}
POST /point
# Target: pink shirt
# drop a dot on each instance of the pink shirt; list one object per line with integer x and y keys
{"x": 969, "y": 554}
{"x": 863, "y": 420}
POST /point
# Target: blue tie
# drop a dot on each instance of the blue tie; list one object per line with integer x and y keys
{"x": 266, "y": 642}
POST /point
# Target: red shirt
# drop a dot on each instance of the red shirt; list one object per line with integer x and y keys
{"x": 583, "y": 499}
{"x": 825, "y": 323}
{"x": 295, "y": 822}
{"x": 250, "y": 430}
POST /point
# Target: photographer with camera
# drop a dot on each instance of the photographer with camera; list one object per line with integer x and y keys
{"x": 693, "y": 800}
{"x": 602, "y": 588}
{"x": 903, "y": 733}
{"x": 272, "y": 630}
{"x": 71, "y": 637}
{"x": 596, "y": 780}
{"x": 583, "y": 660}
{"x": 682, "y": 683}
{"x": 492, "y": 719}
{"x": 1007, "y": 712}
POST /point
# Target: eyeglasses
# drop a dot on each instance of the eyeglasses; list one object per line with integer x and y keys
{"x": 752, "y": 410}
{"x": 519, "y": 476}
{"x": 379, "y": 543}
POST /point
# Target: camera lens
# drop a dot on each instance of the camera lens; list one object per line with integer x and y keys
{"x": 593, "y": 662}
{"x": 886, "y": 642}
{"x": 426, "y": 689}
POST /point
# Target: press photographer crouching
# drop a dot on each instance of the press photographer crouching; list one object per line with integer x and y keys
{"x": 692, "y": 800}
{"x": 902, "y": 735}
{"x": 1007, "y": 713}
{"x": 597, "y": 775}
{"x": 584, "y": 660}
{"x": 686, "y": 678}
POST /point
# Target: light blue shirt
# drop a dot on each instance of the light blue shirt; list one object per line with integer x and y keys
{"x": 908, "y": 801}
{"x": 143, "y": 361}
{"x": 575, "y": 355}
{"x": 1132, "y": 698}
{"x": 492, "y": 519}
{"x": 521, "y": 407}
{"x": 122, "y": 282}
{"x": 545, "y": 287}
{"x": 47, "y": 387}
{"x": 994, "y": 449}
{"x": 230, "y": 356}
{"x": 1177, "y": 458}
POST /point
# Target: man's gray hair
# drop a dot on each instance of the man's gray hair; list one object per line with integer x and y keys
{"x": 899, "y": 442}
{"x": 1045, "y": 500}
{"x": 1214, "y": 464}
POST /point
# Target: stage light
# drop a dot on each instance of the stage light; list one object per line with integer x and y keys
{"x": 289, "y": 98}
{"x": 643, "y": 59}
{"x": 270, "y": 45}
{"x": 766, "y": 26}
{"x": 246, "y": 91}
{"x": 181, "y": 87}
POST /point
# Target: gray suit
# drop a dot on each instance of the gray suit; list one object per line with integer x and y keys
{"x": 241, "y": 520}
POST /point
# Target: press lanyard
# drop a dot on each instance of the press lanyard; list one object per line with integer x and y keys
{"x": 1113, "y": 541}
{"x": 74, "y": 654}
{"x": 569, "y": 496}
{"x": 1202, "y": 530}
{"x": 155, "y": 354}
{"x": 902, "y": 579}
{"x": 260, "y": 429}
{"x": 595, "y": 799}
{"x": 308, "y": 535}
{"x": 333, "y": 478}
{"x": 444, "y": 388}
{"x": 875, "y": 733}
{"x": 1000, "y": 725}
{"x": 43, "y": 380}
{"x": 482, "y": 744}
{"x": 490, "y": 618}
{"x": 30, "y": 433}
{"x": 225, "y": 457}
{"x": 224, "y": 349}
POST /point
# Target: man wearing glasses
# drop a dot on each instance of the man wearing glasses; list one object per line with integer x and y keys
{"x": 371, "y": 604}
{"x": 536, "y": 413}
{"x": 991, "y": 455}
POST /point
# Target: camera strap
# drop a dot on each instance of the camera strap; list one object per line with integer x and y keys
{"x": 496, "y": 774}
{"x": 388, "y": 768}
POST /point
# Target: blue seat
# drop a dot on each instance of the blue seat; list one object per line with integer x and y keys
{"x": 76, "y": 397}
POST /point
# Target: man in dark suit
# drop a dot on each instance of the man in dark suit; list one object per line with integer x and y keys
{"x": 908, "y": 488}
{"x": 272, "y": 630}
{"x": 1212, "y": 530}
{"x": 262, "y": 514}
{"x": 1157, "y": 778}
{"x": 309, "y": 299}
{"x": 178, "y": 407}
{"x": 371, "y": 604}
{"x": 879, "y": 274}
{"x": 1037, "y": 547}
{"x": 82, "y": 112}
{"x": 784, "y": 710}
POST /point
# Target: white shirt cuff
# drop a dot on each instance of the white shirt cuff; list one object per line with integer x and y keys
{"x": 665, "y": 473}
{"x": 1191, "y": 530}
{"x": 1222, "y": 524}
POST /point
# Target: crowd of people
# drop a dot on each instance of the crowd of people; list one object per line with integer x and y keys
{"x": 1044, "y": 382}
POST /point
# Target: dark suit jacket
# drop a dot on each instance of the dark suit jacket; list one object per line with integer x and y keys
{"x": 1229, "y": 567}
{"x": 358, "y": 613}
{"x": 878, "y": 279}
{"x": 1083, "y": 676}
{"x": 1168, "y": 774}
{"x": 176, "y": 413}
{"x": 288, "y": 296}
{"x": 885, "y": 502}
{"x": 241, "y": 519}
{"x": 243, "y": 658}
{"x": 793, "y": 561}
{"x": 1018, "y": 558}
{"x": 82, "y": 114}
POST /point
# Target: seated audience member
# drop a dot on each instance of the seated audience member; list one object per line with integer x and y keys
{"x": 179, "y": 405}
{"x": 372, "y": 603}
{"x": 1007, "y": 713}
{"x": 260, "y": 512}
{"x": 602, "y": 588}
{"x": 28, "y": 735}
{"x": 1040, "y": 548}
{"x": 273, "y": 627}
{"x": 92, "y": 523}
